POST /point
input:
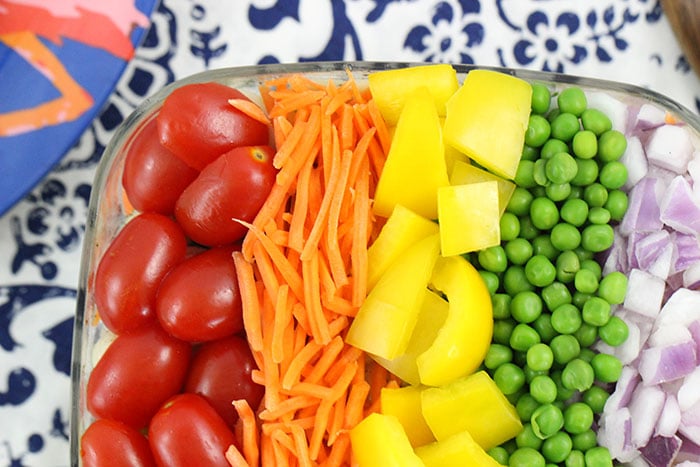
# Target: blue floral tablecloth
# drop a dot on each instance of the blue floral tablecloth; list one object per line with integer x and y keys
{"x": 40, "y": 238}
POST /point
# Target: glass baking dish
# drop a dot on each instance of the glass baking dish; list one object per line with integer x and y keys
{"x": 107, "y": 213}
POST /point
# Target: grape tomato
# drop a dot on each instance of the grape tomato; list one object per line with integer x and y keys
{"x": 108, "y": 443}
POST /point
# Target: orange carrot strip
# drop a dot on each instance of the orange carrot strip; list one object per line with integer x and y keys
{"x": 290, "y": 143}
{"x": 266, "y": 270}
{"x": 283, "y": 447}
{"x": 380, "y": 125}
{"x": 358, "y": 265}
{"x": 320, "y": 425}
{"x": 235, "y": 458}
{"x": 338, "y": 100}
{"x": 357, "y": 95}
{"x": 312, "y": 299}
{"x": 304, "y": 422}
{"x": 300, "y": 360}
{"x": 335, "y": 259}
{"x": 328, "y": 357}
{"x": 311, "y": 390}
{"x": 295, "y": 102}
{"x": 304, "y": 149}
{"x": 283, "y": 319}
{"x": 250, "y": 432}
{"x": 287, "y": 406}
{"x": 347, "y": 128}
{"x": 251, "y": 109}
{"x": 339, "y": 451}
{"x": 301, "y": 207}
{"x": 354, "y": 410}
{"x": 251, "y": 306}
{"x": 302, "y": 446}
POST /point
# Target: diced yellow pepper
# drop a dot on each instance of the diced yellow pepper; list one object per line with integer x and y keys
{"x": 431, "y": 318}
{"x": 469, "y": 217}
{"x": 487, "y": 119}
{"x": 464, "y": 173}
{"x": 459, "y": 450}
{"x": 385, "y": 321}
{"x": 391, "y": 88}
{"x": 404, "y": 404}
{"x": 474, "y": 404}
{"x": 463, "y": 340}
{"x": 452, "y": 154}
{"x": 380, "y": 441}
{"x": 415, "y": 166}
{"x": 402, "y": 229}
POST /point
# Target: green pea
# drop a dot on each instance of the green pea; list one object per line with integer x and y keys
{"x": 578, "y": 374}
{"x": 595, "y": 397}
{"x": 527, "y": 438}
{"x": 539, "y": 175}
{"x": 565, "y": 126}
{"x": 518, "y": 251}
{"x": 586, "y": 335}
{"x": 529, "y": 153}
{"x": 565, "y": 236}
{"x": 596, "y": 121}
{"x": 500, "y": 303}
{"x": 491, "y": 280}
{"x": 611, "y": 145}
{"x": 553, "y": 146}
{"x": 538, "y": 131}
{"x": 547, "y": 420}
{"x": 575, "y": 459}
{"x": 523, "y": 337}
{"x": 595, "y": 194}
{"x": 509, "y": 226}
{"x": 572, "y": 100}
{"x": 540, "y": 271}
{"x": 497, "y": 355}
{"x": 540, "y": 99}
{"x": 524, "y": 175}
{"x": 493, "y": 259}
{"x": 515, "y": 280}
{"x": 543, "y": 389}
{"x": 509, "y": 378}
{"x": 543, "y": 326}
{"x": 542, "y": 245}
{"x": 526, "y": 457}
{"x": 613, "y": 288}
{"x": 596, "y": 311}
{"x": 530, "y": 374}
{"x": 586, "y": 173}
{"x": 578, "y": 418}
{"x": 613, "y": 175}
{"x": 585, "y": 440}
{"x": 607, "y": 367}
{"x": 598, "y": 456}
{"x": 567, "y": 265}
{"x": 526, "y": 306}
{"x": 583, "y": 254}
{"x": 617, "y": 204}
{"x": 499, "y": 454}
{"x": 555, "y": 294}
{"x": 557, "y": 447}
{"x": 566, "y": 319}
{"x": 576, "y": 191}
{"x": 502, "y": 330}
{"x": 528, "y": 230}
{"x": 597, "y": 237}
{"x": 540, "y": 357}
{"x": 563, "y": 393}
{"x": 560, "y": 168}
{"x": 552, "y": 114}
{"x": 544, "y": 213}
{"x": 519, "y": 202}
{"x": 598, "y": 215}
{"x": 557, "y": 191}
{"x": 614, "y": 332}
{"x": 565, "y": 348}
{"x": 585, "y": 144}
{"x": 526, "y": 406}
{"x": 592, "y": 266}
{"x": 574, "y": 211}
{"x": 585, "y": 281}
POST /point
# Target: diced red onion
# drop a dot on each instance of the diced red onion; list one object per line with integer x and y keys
{"x": 679, "y": 207}
{"x": 687, "y": 250}
{"x": 670, "y": 147}
{"x": 615, "y": 432}
{"x": 659, "y": 364}
{"x": 643, "y": 211}
{"x": 645, "y": 293}
{"x": 649, "y": 116}
{"x": 660, "y": 451}
{"x": 688, "y": 394}
{"x": 645, "y": 408}
{"x": 682, "y": 307}
{"x": 670, "y": 418}
{"x": 636, "y": 162}
{"x": 690, "y": 423}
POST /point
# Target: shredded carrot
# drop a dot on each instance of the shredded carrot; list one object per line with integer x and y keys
{"x": 251, "y": 109}
{"x": 302, "y": 270}
{"x": 235, "y": 458}
{"x": 246, "y": 418}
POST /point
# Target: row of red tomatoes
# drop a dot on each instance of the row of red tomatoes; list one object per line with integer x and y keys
{"x": 167, "y": 287}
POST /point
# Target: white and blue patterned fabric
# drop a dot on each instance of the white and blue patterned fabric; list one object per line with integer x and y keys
{"x": 41, "y": 236}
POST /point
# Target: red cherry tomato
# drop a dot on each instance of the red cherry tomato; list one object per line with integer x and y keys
{"x": 199, "y": 299}
{"x": 198, "y": 124}
{"x": 154, "y": 177}
{"x": 187, "y": 431}
{"x": 109, "y": 443}
{"x": 221, "y": 372}
{"x": 234, "y": 186}
{"x": 131, "y": 269}
{"x": 138, "y": 372}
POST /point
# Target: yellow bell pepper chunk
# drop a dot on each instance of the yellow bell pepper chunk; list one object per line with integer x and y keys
{"x": 474, "y": 404}
{"x": 402, "y": 229}
{"x": 431, "y": 318}
{"x": 463, "y": 340}
{"x": 464, "y": 173}
{"x": 487, "y": 119}
{"x": 459, "y": 450}
{"x": 390, "y": 88}
{"x": 385, "y": 321}
{"x": 452, "y": 154}
{"x": 469, "y": 217}
{"x": 380, "y": 441}
{"x": 404, "y": 404}
{"x": 415, "y": 166}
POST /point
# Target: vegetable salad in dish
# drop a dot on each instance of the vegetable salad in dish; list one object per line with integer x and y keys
{"x": 408, "y": 267}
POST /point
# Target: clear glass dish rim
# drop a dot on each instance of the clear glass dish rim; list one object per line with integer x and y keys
{"x": 258, "y": 74}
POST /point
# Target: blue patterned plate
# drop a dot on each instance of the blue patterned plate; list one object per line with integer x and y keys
{"x": 59, "y": 62}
